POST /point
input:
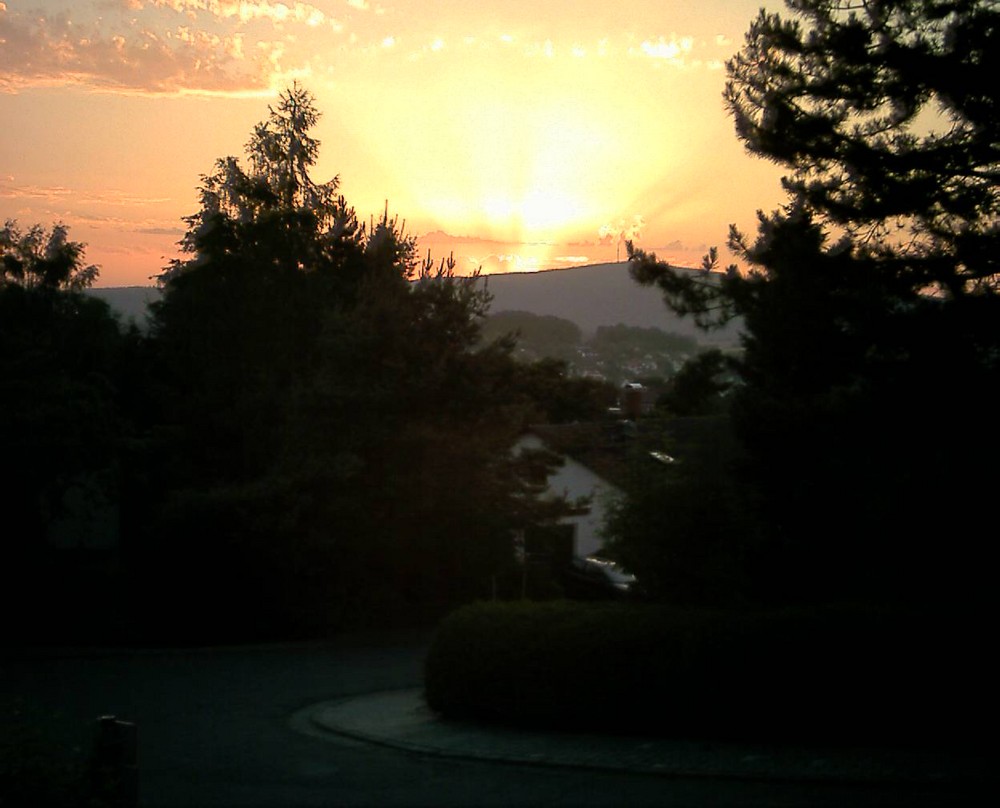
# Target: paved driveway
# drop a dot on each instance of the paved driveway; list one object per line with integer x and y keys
{"x": 216, "y": 728}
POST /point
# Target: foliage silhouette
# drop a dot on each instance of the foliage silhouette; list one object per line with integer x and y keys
{"x": 700, "y": 385}
{"x": 870, "y": 305}
{"x": 43, "y": 259}
{"x": 341, "y": 437}
{"x": 67, "y": 419}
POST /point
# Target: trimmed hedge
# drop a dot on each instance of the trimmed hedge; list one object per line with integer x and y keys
{"x": 825, "y": 675}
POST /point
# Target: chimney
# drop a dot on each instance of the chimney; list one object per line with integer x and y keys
{"x": 633, "y": 399}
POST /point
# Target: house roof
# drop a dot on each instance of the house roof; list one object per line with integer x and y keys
{"x": 610, "y": 448}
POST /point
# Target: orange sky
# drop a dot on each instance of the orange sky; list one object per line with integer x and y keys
{"x": 520, "y": 135}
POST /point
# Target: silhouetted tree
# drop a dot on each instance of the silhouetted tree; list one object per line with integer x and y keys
{"x": 63, "y": 427}
{"x": 682, "y": 524}
{"x": 870, "y": 305}
{"x": 270, "y": 251}
{"x": 537, "y": 336}
{"x": 41, "y": 258}
{"x": 627, "y": 340}
{"x": 342, "y": 435}
{"x": 554, "y": 395}
{"x": 698, "y": 387}
{"x": 424, "y": 489}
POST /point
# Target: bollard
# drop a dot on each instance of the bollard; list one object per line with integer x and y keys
{"x": 115, "y": 765}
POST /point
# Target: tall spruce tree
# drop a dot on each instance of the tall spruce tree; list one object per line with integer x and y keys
{"x": 869, "y": 304}
{"x": 340, "y": 439}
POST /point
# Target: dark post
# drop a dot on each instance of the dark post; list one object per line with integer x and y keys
{"x": 115, "y": 769}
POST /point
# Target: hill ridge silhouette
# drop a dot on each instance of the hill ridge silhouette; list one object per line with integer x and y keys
{"x": 591, "y": 296}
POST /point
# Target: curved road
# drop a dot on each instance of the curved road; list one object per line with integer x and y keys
{"x": 216, "y": 728}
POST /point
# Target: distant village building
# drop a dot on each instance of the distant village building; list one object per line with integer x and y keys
{"x": 635, "y": 400}
{"x": 598, "y": 457}
{"x": 590, "y": 460}
{"x": 581, "y": 530}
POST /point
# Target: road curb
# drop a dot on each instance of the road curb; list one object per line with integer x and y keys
{"x": 399, "y": 720}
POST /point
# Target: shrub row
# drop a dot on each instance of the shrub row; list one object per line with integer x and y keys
{"x": 832, "y": 675}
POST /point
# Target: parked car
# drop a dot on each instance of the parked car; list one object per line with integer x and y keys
{"x": 596, "y": 578}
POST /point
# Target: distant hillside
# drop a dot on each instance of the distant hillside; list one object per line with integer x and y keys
{"x": 128, "y": 301}
{"x": 590, "y": 296}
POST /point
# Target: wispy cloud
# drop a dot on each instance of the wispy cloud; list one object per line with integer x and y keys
{"x": 674, "y": 50}
{"x": 55, "y": 51}
{"x": 177, "y": 232}
{"x": 622, "y": 230}
{"x": 35, "y": 193}
{"x": 199, "y": 47}
{"x": 244, "y": 10}
{"x": 9, "y": 189}
{"x": 685, "y": 51}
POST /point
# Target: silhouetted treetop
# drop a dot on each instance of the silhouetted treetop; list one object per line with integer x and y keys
{"x": 41, "y": 258}
{"x": 886, "y": 117}
{"x": 886, "y": 113}
{"x": 282, "y": 151}
{"x": 272, "y": 210}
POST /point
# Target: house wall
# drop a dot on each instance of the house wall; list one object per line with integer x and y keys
{"x": 576, "y": 480}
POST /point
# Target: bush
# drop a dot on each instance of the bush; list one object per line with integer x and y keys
{"x": 828, "y": 675}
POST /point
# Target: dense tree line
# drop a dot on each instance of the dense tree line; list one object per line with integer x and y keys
{"x": 313, "y": 433}
{"x": 611, "y": 356}
{"x": 870, "y": 351}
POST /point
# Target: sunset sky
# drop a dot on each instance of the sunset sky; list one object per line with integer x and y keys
{"x": 520, "y": 135}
